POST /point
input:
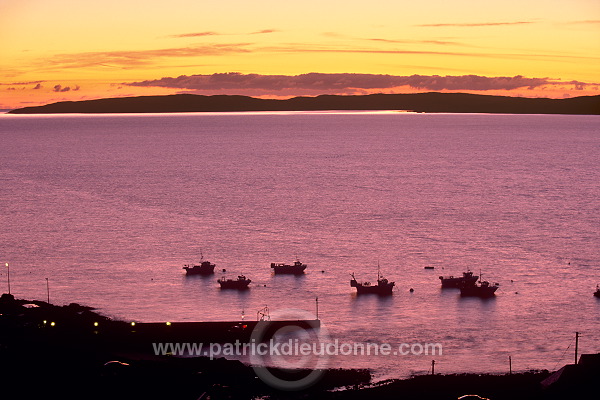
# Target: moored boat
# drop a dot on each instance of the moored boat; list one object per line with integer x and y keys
{"x": 467, "y": 278}
{"x": 240, "y": 283}
{"x": 296, "y": 269}
{"x": 597, "y": 292}
{"x": 204, "y": 268}
{"x": 479, "y": 289}
{"x": 382, "y": 288}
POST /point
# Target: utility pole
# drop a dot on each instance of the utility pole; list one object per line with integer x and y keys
{"x": 48, "y": 290}
{"x": 317, "y": 303}
{"x": 509, "y": 365}
{"x": 432, "y": 367}
{"x": 576, "y": 345}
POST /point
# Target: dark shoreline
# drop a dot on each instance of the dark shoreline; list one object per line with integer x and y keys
{"x": 77, "y": 361}
{"x": 433, "y": 102}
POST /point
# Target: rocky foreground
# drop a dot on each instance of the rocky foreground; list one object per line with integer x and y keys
{"x": 74, "y": 360}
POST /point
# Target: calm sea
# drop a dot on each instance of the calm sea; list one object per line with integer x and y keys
{"x": 109, "y": 208}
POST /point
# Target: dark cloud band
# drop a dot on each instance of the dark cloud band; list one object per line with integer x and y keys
{"x": 339, "y": 83}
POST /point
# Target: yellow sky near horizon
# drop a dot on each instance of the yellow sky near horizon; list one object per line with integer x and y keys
{"x": 94, "y": 48}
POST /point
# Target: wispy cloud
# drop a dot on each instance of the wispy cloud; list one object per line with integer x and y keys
{"x": 334, "y": 35}
{"x": 153, "y": 57}
{"x": 319, "y": 48}
{"x": 339, "y": 83}
{"x": 264, "y": 31}
{"x": 436, "y": 42}
{"x": 212, "y": 33}
{"x": 586, "y": 22}
{"x": 141, "y": 58}
{"x": 477, "y": 24}
{"x": 391, "y": 41}
{"x": 196, "y": 34}
{"x": 309, "y": 48}
{"x": 23, "y": 83}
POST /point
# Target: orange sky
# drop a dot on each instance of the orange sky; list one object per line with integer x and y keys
{"x": 72, "y": 50}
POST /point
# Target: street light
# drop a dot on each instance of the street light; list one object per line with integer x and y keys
{"x": 8, "y": 277}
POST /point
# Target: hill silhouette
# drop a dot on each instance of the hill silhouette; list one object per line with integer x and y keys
{"x": 419, "y": 102}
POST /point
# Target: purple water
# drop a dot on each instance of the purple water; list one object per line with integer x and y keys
{"x": 109, "y": 208}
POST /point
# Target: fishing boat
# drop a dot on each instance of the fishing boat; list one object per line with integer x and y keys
{"x": 204, "y": 268}
{"x": 597, "y": 292}
{"x": 240, "y": 283}
{"x": 479, "y": 289}
{"x": 467, "y": 279}
{"x": 382, "y": 288}
{"x": 295, "y": 269}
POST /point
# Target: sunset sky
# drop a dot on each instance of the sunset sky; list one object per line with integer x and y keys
{"x": 74, "y": 50}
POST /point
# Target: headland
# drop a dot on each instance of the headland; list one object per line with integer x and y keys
{"x": 417, "y": 102}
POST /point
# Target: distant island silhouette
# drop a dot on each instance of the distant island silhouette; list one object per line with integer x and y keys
{"x": 418, "y": 102}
